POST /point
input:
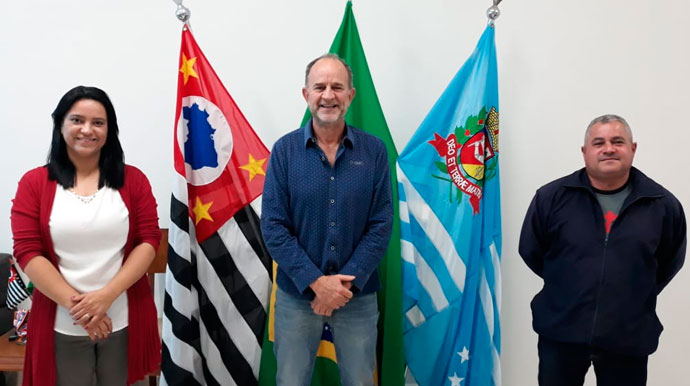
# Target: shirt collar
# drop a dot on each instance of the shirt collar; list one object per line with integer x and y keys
{"x": 310, "y": 138}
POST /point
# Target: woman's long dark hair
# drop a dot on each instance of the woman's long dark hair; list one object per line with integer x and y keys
{"x": 112, "y": 162}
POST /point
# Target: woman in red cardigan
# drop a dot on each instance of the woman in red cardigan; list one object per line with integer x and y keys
{"x": 85, "y": 230}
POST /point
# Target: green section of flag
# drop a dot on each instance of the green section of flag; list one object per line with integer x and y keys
{"x": 267, "y": 371}
{"x": 325, "y": 373}
{"x": 365, "y": 113}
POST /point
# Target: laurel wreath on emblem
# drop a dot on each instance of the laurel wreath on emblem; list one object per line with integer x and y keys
{"x": 477, "y": 163}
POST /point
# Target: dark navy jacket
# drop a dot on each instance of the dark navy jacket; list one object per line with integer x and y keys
{"x": 598, "y": 292}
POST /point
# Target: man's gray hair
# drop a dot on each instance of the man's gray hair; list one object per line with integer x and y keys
{"x": 606, "y": 118}
{"x": 329, "y": 56}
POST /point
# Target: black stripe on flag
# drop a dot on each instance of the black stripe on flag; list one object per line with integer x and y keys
{"x": 179, "y": 213}
{"x": 233, "y": 359}
{"x": 187, "y": 331}
{"x": 12, "y": 300}
{"x": 15, "y": 294}
{"x": 182, "y": 270}
{"x": 184, "y": 329}
{"x": 235, "y": 284}
{"x": 248, "y": 222}
{"x": 174, "y": 375}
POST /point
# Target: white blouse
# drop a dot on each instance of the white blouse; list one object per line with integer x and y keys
{"x": 89, "y": 236}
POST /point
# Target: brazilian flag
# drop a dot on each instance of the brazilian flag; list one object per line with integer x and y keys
{"x": 364, "y": 113}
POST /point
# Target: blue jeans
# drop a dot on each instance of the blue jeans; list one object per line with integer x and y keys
{"x": 298, "y": 333}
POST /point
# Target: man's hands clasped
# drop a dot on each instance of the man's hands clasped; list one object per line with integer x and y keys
{"x": 332, "y": 292}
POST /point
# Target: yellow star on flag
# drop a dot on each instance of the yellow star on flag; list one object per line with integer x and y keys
{"x": 187, "y": 68}
{"x": 201, "y": 211}
{"x": 254, "y": 167}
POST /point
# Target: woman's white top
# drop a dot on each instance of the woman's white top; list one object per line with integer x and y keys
{"x": 89, "y": 236}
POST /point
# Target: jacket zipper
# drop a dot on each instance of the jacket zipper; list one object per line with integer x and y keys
{"x": 626, "y": 204}
{"x": 601, "y": 280}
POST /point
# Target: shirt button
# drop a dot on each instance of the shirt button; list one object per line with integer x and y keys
{"x": 332, "y": 201}
{"x": 332, "y": 178}
{"x": 332, "y": 223}
{"x": 332, "y": 247}
{"x": 323, "y": 158}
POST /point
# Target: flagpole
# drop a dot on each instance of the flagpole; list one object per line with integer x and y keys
{"x": 493, "y": 12}
{"x": 183, "y": 13}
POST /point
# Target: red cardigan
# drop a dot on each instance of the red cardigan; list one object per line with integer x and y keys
{"x": 30, "y": 214}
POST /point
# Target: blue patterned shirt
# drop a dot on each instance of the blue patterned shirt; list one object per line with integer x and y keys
{"x": 319, "y": 219}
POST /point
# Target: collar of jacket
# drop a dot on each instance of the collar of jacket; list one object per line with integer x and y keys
{"x": 642, "y": 186}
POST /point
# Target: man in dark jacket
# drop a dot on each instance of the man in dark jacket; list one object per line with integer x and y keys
{"x": 606, "y": 240}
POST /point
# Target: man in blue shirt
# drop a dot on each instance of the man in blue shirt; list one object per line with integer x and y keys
{"x": 326, "y": 220}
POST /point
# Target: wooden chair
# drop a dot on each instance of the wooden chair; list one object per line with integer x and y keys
{"x": 158, "y": 266}
{"x": 12, "y": 354}
{"x": 161, "y": 260}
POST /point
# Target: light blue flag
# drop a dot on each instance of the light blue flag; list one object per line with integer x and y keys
{"x": 450, "y": 222}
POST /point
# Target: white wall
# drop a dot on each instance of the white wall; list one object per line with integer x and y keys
{"x": 560, "y": 64}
